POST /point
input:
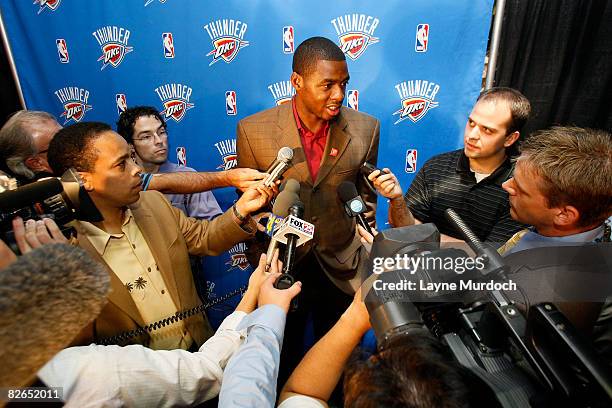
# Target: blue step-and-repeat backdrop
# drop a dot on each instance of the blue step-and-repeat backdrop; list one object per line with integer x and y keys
{"x": 416, "y": 66}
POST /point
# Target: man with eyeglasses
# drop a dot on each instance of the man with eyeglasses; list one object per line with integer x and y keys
{"x": 145, "y": 131}
{"x": 24, "y": 141}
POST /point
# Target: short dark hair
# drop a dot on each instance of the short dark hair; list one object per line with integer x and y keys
{"x": 72, "y": 147}
{"x": 127, "y": 119}
{"x": 414, "y": 370}
{"x": 312, "y": 50}
{"x": 519, "y": 105}
{"x": 575, "y": 165}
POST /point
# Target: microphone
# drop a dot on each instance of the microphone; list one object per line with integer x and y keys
{"x": 279, "y": 166}
{"x": 280, "y": 210}
{"x": 353, "y": 204}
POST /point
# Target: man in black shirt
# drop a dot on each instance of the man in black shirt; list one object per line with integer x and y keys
{"x": 468, "y": 180}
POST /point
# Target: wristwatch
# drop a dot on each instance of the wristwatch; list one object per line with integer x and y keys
{"x": 240, "y": 217}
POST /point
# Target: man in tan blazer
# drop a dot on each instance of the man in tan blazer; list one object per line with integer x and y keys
{"x": 143, "y": 241}
{"x": 330, "y": 144}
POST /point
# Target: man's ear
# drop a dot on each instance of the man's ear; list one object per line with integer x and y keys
{"x": 568, "y": 216}
{"x": 87, "y": 182}
{"x": 511, "y": 138}
{"x": 297, "y": 81}
{"x": 133, "y": 152}
{"x": 34, "y": 163}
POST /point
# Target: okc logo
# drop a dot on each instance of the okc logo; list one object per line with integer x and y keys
{"x": 282, "y": 91}
{"x": 147, "y": 2}
{"x": 175, "y": 98}
{"x": 237, "y": 258}
{"x": 352, "y": 99}
{"x": 422, "y": 38}
{"x": 74, "y": 101}
{"x": 168, "y": 42}
{"x": 227, "y": 150}
{"x": 417, "y": 97}
{"x": 230, "y": 103}
{"x": 411, "y": 160}
{"x": 181, "y": 156}
{"x": 288, "y": 38}
{"x": 113, "y": 41}
{"x": 121, "y": 103}
{"x": 227, "y": 37}
{"x": 50, "y": 4}
{"x": 355, "y": 33}
{"x": 62, "y": 51}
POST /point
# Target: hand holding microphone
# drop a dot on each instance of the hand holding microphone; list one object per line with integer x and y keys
{"x": 353, "y": 204}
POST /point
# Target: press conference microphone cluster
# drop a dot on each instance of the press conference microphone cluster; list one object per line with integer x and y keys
{"x": 279, "y": 166}
{"x": 353, "y": 203}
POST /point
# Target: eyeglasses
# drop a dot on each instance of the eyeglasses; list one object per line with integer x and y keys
{"x": 162, "y": 134}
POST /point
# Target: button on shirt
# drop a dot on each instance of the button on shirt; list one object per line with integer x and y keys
{"x": 313, "y": 143}
{"x": 130, "y": 258}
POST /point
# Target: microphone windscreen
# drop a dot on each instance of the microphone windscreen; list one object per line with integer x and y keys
{"x": 347, "y": 191}
{"x": 292, "y": 185}
{"x": 285, "y": 154}
{"x": 47, "y": 296}
{"x": 283, "y": 201}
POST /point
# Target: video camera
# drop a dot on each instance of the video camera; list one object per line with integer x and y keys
{"x": 63, "y": 199}
{"x": 538, "y": 361}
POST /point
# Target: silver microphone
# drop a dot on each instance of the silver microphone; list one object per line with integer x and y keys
{"x": 279, "y": 166}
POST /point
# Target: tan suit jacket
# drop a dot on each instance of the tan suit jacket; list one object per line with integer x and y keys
{"x": 353, "y": 139}
{"x": 172, "y": 237}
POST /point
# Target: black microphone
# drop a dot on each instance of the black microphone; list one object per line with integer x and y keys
{"x": 280, "y": 210}
{"x": 296, "y": 210}
{"x": 353, "y": 204}
{"x": 279, "y": 166}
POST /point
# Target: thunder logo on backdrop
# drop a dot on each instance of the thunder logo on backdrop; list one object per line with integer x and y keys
{"x": 355, "y": 33}
{"x": 113, "y": 42}
{"x": 74, "y": 100}
{"x": 227, "y": 151}
{"x": 175, "y": 98}
{"x": 417, "y": 98}
{"x": 227, "y": 36}
{"x": 281, "y": 91}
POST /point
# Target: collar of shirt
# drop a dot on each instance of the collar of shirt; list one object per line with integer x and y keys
{"x": 99, "y": 238}
{"x": 501, "y": 174}
{"x": 532, "y": 239}
{"x": 304, "y": 132}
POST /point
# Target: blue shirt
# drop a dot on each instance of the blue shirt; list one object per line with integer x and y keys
{"x": 532, "y": 239}
{"x": 199, "y": 205}
{"x": 249, "y": 380}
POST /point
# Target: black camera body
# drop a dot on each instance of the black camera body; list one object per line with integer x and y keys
{"x": 538, "y": 361}
{"x": 63, "y": 199}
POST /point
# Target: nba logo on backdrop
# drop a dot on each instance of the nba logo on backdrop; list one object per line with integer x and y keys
{"x": 230, "y": 103}
{"x": 411, "y": 160}
{"x": 47, "y": 4}
{"x": 168, "y": 42}
{"x": 288, "y": 38}
{"x": 355, "y": 33}
{"x": 181, "y": 156}
{"x": 62, "y": 50}
{"x": 281, "y": 91}
{"x": 121, "y": 103}
{"x": 417, "y": 98}
{"x": 227, "y": 150}
{"x": 352, "y": 99}
{"x": 227, "y": 38}
{"x": 113, "y": 41}
{"x": 422, "y": 38}
{"x": 74, "y": 101}
{"x": 175, "y": 98}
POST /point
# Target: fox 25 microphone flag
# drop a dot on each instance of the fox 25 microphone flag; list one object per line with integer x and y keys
{"x": 206, "y": 65}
